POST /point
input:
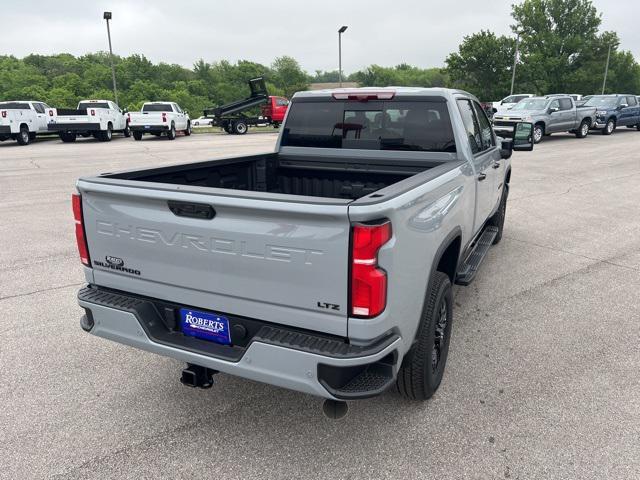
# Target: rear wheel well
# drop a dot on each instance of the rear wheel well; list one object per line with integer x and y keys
{"x": 24, "y": 125}
{"x": 448, "y": 263}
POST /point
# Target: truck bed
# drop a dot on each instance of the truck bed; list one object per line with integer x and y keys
{"x": 274, "y": 173}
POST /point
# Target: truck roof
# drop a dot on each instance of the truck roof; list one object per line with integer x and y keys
{"x": 399, "y": 91}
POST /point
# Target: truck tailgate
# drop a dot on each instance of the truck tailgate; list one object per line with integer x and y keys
{"x": 145, "y": 118}
{"x": 277, "y": 261}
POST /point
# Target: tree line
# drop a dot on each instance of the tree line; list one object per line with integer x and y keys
{"x": 561, "y": 51}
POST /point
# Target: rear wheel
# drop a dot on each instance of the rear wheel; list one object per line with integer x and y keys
{"x": 171, "y": 134}
{"x": 23, "y": 137}
{"x": 228, "y": 129}
{"x": 538, "y": 133}
{"x": 423, "y": 366}
{"x": 106, "y": 135}
{"x": 68, "y": 137}
{"x": 240, "y": 127}
{"x": 137, "y": 135}
{"x": 610, "y": 127}
{"x": 583, "y": 130}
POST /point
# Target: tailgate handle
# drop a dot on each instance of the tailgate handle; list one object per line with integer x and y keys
{"x": 192, "y": 210}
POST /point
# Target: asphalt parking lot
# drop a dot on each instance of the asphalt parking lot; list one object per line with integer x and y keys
{"x": 543, "y": 376}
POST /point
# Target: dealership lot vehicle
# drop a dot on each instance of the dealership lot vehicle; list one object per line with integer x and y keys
{"x": 202, "y": 122}
{"x": 236, "y": 117}
{"x": 615, "y": 111}
{"x": 22, "y": 120}
{"x": 509, "y": 102}
{"x": 97, "y": 118}
{"x": 158, "y": 118}
{"x": 535, "y": 381}
{"x": 551, "y": 114}
{"x": 322, "y": 256}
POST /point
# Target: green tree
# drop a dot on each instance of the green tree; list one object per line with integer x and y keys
{"x": 482, "y": 65}
{"x": 287, "y": 74}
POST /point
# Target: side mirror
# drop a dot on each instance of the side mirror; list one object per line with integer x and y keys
{"x": 623, "y": 105}
{"x": 523, "y": 137}
{"x": 553, "y": 109}
{"x": 506, "y": 148}
{"x": 125, "y": 110}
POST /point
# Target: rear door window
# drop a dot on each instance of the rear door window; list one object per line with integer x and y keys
{"x": 394, "y": 125}
{"x": 631, "y": 101}
{"x": 565, "y": 104}
{"x": 471, "y": 125}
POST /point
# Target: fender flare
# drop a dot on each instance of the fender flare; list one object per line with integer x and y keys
{"x": 446, "y": 243}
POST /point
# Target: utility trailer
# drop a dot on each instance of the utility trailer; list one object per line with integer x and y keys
{"x": 232, "y": 119}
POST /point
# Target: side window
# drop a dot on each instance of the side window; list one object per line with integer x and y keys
{"x": 486, "y": 132}
{"x": 177, "y": 108}
{"x": 555, "y": 104}
{"x": 565, "y": 104}
{"x": 631, "y": 101}
{"x": 38, "y": 107}
{"x": 471, "y": 125}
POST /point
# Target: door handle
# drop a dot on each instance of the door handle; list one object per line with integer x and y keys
{"x": 496, "y": 165}
{"x": 482, "y": 176}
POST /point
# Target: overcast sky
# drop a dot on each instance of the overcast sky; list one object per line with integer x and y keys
{"x": 418, "y": 32}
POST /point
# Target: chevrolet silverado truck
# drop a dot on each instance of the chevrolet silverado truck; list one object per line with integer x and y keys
{"x": 550, "y": 114}
{"x": 97, "y": 118}
{"x": 157, "y": 118}
{"x": 22, "y": 120}
{"x": 325, "y": 266}
{"x": 615, "y": 111}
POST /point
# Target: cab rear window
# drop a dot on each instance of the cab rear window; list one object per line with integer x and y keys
{"x": 157, "y": 107}
{"x": 85, "y": 105}
{"x": 394, "y": 125}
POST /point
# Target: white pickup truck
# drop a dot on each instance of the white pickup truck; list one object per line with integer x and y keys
{"x": 158, "y": 118}
{"x": 22, "y": 120}
{"x": 97, "y": 118}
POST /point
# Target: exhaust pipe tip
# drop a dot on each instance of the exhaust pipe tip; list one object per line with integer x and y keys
{"x": 334, "y": 409}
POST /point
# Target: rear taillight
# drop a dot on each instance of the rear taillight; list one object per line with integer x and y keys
{"x": 4, "y": 114}
{"x": 368, "y": 281}
{"x": 81, "y": 239}
{"x": 93, "y": 112}
{"x": 164, "y": 117}
{"x": 51, "y": 113}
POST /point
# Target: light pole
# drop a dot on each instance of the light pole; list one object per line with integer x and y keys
{"x": 515, "y": 62}
{"x": 606, "y": 70}
{"x": 340, "y": 32}
{"x": 107, "y": 17}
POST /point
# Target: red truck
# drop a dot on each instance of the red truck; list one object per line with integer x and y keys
{"x": 233, "y": 119}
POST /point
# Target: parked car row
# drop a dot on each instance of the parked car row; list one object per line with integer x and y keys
{"x": 24, "y": 120}
{"x": 563, "y": 113}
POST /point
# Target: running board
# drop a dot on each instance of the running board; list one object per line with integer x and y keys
{"x": 467, "y": 271}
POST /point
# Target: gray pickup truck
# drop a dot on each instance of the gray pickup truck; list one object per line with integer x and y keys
{"x": 550, "y": 114}
{"x": 325, "y": 266}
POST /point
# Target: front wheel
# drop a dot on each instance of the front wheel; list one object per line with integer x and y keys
{"x": 127, "y": 132}
{"x": 610, "y": 127}
{"x": 423, "y": 366}
{"x": 187, "y": 132}
{"x": 583, "y": 130}
{"x": 538, "y": 133}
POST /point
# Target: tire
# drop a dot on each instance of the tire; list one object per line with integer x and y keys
{"x": 610, "y": 127}
{"x": 497, "y": 220}
{"x": 137, "y": 136}
{"x": 126, "y": 132}
{"x": 419, "y": 377}
{"x": 240, "y": 127}
{"x": 68, "y": 137}
{"x": 228, "y": 129}
{"x": 24, "y": 137}
{"x": 32, "y": 136}
{"x": 583, "y": 129}
{"x": 187, "y": 132}
{"x": 171, "y": 134}
{"x": 538, "y": 133}
{"x": 638, "y": 127}
{"x": 106, "y": 135}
